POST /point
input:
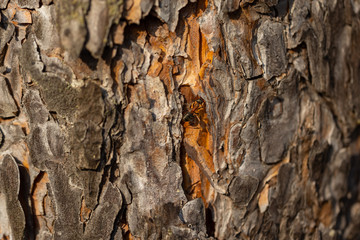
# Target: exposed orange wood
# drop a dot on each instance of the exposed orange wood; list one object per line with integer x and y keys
{"x": 263, "y": 201}
{"x": 325, "y": 215}
{"x": 41, "y": 210}
{"x": 155, "y": 69}
{"x": 84, "y": 212}
{"x": 25, "y": 157}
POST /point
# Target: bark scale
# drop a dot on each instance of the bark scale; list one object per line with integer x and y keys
{"x": 144, "y": 119}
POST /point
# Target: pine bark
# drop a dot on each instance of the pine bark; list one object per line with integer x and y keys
{"x": 208, "y": 119}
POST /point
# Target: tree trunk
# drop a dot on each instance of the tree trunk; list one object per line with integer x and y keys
{"x": 180, "y": 119}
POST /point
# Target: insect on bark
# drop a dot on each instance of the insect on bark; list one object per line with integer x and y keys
{"x": 193, "y": 115}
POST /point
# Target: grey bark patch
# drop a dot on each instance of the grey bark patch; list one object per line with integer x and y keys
{"x": 10, "y": 186}
{"x": 271, "y": 143}
{"x": 55, "y": 140}
{"x": 235, "y": 142}
{"x": 318, "y": 159}
{"x": 251, "y": 222}
{"x": 193, "y": 213}
{"x": 261, "y": 7}
{"x": 47, "y": 2}
{"x": 352, "y": 231}
{"x": 80, "y": 105}
{"x": 232, "y": 5}
{"x": 8, "y": 107}
{"x": 56, "y": 90}
{"x": 146, "y": 6}
{"x": 31, "y": 4}
{"x": 340, "y": 171}
{"x": 242, "y": 189}
{"x": 98, "y": 20}
{"x": 279, "y": 120}
{"x": 91, "y": 183}
{"x": 299, "y": 25}
{"x": 241, "y": 55}
{"x": 72, "y": 25}
{"x": 12, "y": 135}
{"x": 168, "y": 11}
{"x": 271, "y": 48}
{"x": 67, "y": 199}
{"x": 285, "y": 179}
{"x": 3, "y": 4}
{"x": 87, "y": 151}
{"x": 59, "y": 96}
{"x": 209, "y": 26}
{"x": 46, "y": 144}
{"x": 35, "y": 108}
{"x": 6, "y": 33}
{"x": 91, "y": 102}
{"x": 86, "y": 135}
{"x": 102, "y": 220}
{"x": 271, "y": 3}
{"x": 44, "y": 25}
{"x": 30, "y": 58}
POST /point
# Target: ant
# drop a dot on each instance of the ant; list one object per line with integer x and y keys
{"x": 192, "y": 116}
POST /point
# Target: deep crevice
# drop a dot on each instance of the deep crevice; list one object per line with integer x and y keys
{"x": 116, "y": 224}
{"x": 23, "y": 199}
{"x": 88, "y": 59}
{"x": 209, "y": 221}
{"x": 2, "y": 138}
{"x": 235, "y": 15}
{"x": 123, "y": 223}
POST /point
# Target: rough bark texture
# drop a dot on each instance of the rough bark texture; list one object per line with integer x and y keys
{"x": 144, "y": 119}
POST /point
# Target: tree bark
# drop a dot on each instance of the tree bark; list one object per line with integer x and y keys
{"x": 145, "y": 119}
